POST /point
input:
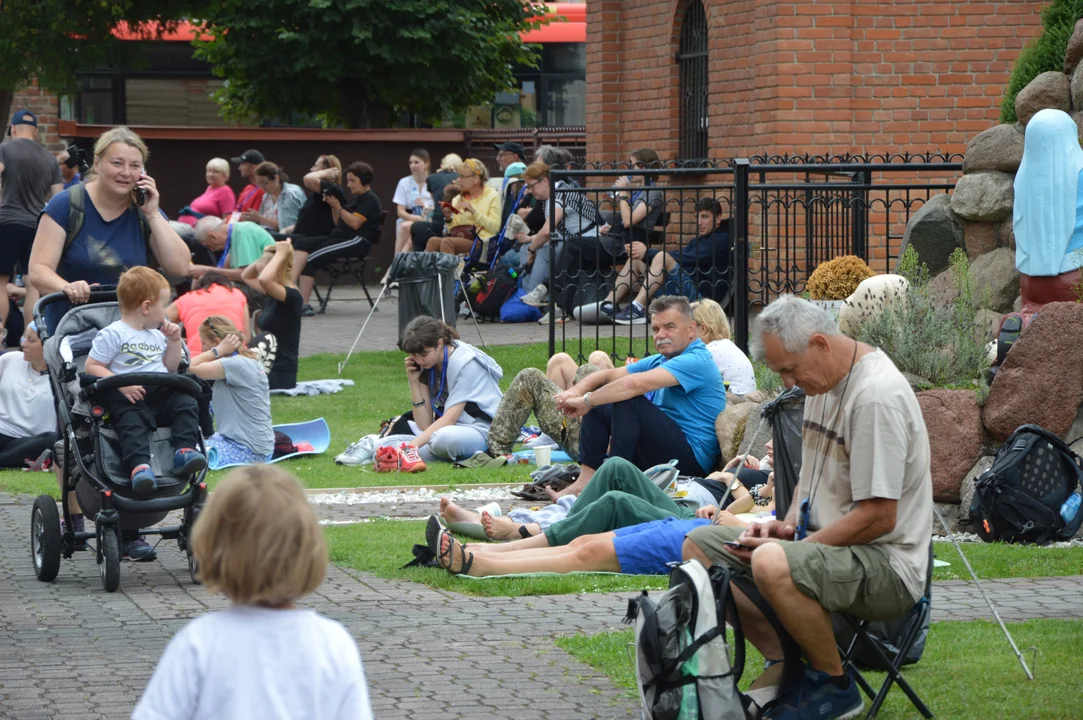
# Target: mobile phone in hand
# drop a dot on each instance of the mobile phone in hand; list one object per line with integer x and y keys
{"x": 736, "y": 545}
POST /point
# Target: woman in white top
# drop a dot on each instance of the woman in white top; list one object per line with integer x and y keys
{"x": 27, "y": 413}
{"x": 413, "y": 203}
{"x": 714, "y": 330}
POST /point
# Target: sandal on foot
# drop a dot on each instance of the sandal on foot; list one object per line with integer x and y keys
{"x": 482, "y": 459}
{"x": 466, "y": 559}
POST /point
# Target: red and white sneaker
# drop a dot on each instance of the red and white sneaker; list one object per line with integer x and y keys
{"x": 410, "y": 459}
{"x": 387, "y": 460}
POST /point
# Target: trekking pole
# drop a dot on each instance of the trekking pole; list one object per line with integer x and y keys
{"x": 740, "y": 466}
{"x": 1011, "y": 641}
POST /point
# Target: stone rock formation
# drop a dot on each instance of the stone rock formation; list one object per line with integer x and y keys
{"x": 1048, "y": 90}
{"x": 956, "y": 440}
{"x": 995, "y": 273}
{"x": 983, "y": 197}
{"x": 999, "y": 148}
{"x": 934, "y": 232}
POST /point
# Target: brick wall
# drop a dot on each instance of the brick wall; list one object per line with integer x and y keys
{"x": 806, "y": 76}
{"x": 46, "y": 106}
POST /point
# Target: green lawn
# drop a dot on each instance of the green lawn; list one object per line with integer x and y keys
{"x": 968, "y": 670}
{"x": 383, "y": 546}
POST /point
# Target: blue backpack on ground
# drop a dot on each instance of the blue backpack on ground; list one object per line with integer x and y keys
{"x": 514, "y": 310}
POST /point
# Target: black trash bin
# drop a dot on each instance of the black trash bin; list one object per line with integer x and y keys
{"x": 426, "y": 286}
{"x": 786, "y": 414}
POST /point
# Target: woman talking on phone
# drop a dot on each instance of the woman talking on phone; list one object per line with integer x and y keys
{"x": 476, "y": 210}
{"x": 119, "y": 226}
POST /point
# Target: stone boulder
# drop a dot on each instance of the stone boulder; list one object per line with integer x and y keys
{"x": 756, "y": 445}
{"x": 984, "y": 197}
{"x": 1006, "y": 234}
{"x": 956, "y": 440}
{"x": 1077, "y": 93}
{"x": 1074, "y": 53}
{"x": 1048, "y": 90}
{"x": 733, "y": 420}
{"x": 942, "y": 289}
{"x": 996, "y": 281}
{"x": 980, "y": 238}
{"x": 869, "y": 299}
{"x": 1041, "y": 379}
{"x": 934, "y": 232}
{"x": 998, "y": 148}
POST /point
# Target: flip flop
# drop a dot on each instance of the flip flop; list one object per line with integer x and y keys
{"x": 434, "y": 528}
{"x": 466, "y": 558}
{"x": 482, "y": 459}
{"x": 469, "y": 529}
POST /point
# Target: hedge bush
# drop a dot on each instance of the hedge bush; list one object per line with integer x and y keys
{"x": 1043, "y": 53}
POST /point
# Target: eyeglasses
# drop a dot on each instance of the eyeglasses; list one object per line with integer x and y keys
{"x": 466, "y": 175}
{"x": 531, "y": 186}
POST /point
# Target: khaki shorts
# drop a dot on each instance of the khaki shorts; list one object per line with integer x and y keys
{"x": 856, "y": 580}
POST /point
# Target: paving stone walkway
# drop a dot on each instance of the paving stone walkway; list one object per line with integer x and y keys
{"x": 428, "y": 653}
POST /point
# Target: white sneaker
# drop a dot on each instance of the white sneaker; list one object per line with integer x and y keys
{"x": 361, "y": 452}
{"x": 542, "y": 440}
{"x": 560, "y": 317}
{"x": 537, "y": 297}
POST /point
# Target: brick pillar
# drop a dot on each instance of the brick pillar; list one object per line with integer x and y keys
{"x": 46, "y": 106}
{"x": 603, "y": 80}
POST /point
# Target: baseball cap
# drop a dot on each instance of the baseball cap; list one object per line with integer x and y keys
{"x": 249, "y": 156}
{"x": 512, "y": 147}
{"x": 24, "y": 117}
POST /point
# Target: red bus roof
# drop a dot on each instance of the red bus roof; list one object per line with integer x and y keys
{"x": 572, "y": 29}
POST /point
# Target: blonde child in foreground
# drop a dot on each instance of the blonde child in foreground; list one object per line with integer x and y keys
{"x": 259, "y": 543}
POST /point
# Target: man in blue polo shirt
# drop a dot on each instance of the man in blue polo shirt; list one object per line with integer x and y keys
{"x": 654, "y": 410}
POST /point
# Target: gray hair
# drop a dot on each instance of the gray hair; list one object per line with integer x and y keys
{"x": 549, "y": 154}
{"x": 793, "y": 321}
{"x": 205, "y": 226}
{"x": 673, "y": 302}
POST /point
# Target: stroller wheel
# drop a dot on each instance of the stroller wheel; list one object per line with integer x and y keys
{"x": 110, "y": 563}
{"x": 193, "y": 567}
{"x": 45, "y": 538}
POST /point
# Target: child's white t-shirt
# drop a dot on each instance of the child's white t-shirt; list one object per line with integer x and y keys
{"x": 123, "y": 349}
{"x": 252, "y": 662}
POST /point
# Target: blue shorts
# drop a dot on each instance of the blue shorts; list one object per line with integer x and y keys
{"x": 647, "y": 548}
{"x": 679, "y": 282}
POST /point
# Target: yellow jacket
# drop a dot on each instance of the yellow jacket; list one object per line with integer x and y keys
{"x": 486, "y": 215}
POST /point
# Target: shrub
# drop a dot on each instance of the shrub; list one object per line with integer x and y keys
{"x": 1043, "y": 53}
{"x": 838, "y": 278}
{"x": 938, "y": 343}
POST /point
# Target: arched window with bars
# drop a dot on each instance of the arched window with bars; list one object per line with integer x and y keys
{"x": 692, "y": 61}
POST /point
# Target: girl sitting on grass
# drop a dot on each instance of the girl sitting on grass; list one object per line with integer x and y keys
{"x": 258, "y": 542}
{"x": 242, "y": 398}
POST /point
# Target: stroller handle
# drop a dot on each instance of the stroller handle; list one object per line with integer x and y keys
{"x": 97, "y": 295}
{"x": 182, "y": 383}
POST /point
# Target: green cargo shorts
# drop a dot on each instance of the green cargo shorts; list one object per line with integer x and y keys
{"x": 856, "y": 580}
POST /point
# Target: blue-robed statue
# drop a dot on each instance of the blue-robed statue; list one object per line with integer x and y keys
{"x": 1048, "y": 213}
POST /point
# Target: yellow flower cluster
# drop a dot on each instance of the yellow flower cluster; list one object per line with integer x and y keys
{"x": 837, "y": 279}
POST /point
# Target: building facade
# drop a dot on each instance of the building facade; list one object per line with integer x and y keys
{"x": 717, "y": 79}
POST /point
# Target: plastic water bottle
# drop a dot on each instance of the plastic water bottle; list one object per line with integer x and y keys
{"x": 1070, "y": 507}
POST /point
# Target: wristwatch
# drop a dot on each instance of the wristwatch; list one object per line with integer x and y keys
{"x": 586, "y": 399}
{"x": 214, "y": 351}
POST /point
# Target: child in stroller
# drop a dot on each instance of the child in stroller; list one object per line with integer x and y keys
{"x": 136, "y": 344}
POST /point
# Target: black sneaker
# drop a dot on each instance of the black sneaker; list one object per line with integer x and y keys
{"x": 78, "y": 525}
{"x": 138, "y": 549}
{"x": 307, "y": 311}
{"x": 816, "y": 697}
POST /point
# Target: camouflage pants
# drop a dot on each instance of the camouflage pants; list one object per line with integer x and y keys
{"x": 531, "y": 391}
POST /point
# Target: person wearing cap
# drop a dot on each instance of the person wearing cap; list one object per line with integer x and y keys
{"x": 29, "y": 176}
{"x": 506, "y": 154}
{"x": 70, "y": 175}
{"x": 251, "y": 197}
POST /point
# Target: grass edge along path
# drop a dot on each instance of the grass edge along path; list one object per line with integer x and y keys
{"x": 968, "y": 669}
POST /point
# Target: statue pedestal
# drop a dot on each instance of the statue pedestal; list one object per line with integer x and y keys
{"x": 1038, "y": 291}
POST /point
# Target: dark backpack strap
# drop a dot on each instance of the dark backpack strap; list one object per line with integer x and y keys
{"x": 76, "y": 214}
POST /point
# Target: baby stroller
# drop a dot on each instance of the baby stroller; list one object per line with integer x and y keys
{"x": 91, "y": 461}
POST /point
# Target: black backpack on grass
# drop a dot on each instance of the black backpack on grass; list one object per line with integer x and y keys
{"x": 1018, "y": 499}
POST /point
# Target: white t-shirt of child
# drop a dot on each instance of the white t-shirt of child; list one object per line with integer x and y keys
{"x": 126, "y": 350}
{"x": 412, "y": 195}
{"x": 252, "y": 662}
{"x": 734, "y": 365}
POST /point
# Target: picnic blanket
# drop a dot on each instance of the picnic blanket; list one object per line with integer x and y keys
{"x": 315, "y": 387}
{"x": 314, "y": 433}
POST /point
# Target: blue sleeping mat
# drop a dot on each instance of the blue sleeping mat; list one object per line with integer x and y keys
{"x": 557, "y": 456}
{"x": 314, "y": 432}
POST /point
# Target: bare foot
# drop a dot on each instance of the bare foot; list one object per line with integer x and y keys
{"x": 500, "y": 528}
{"x": 454, "y": 554}
{"x": 451, "y": 512}
{"x": 553, "y": 495}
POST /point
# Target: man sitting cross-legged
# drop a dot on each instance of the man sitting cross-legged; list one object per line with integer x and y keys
{"x": 856, "y": 538}
{"x": 677, "y": 422}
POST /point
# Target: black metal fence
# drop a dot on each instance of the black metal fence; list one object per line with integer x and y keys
{"x": 782, "y": 215}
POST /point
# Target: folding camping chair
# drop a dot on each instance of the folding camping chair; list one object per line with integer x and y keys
{"x": 917, "y": 616}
